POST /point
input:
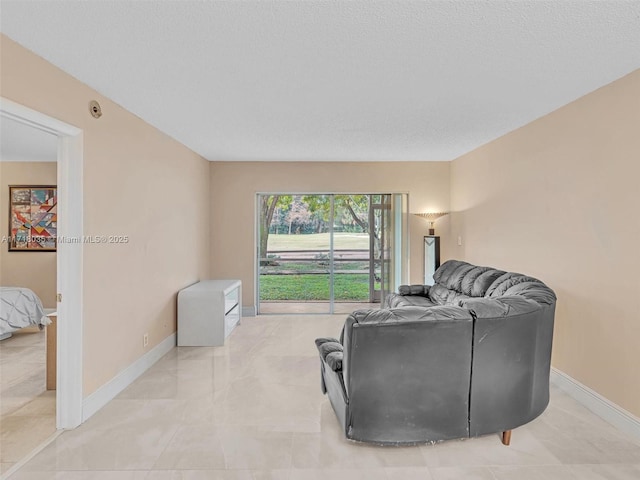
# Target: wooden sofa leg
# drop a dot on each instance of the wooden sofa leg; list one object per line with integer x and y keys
{"x": 506, "y": 437}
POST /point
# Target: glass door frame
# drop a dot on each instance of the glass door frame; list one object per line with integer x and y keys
{"x": 398, "y": 264}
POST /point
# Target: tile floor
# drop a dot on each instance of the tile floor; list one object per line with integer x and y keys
{"x": 27, "y": 409}
{"x": 253, "y": 410}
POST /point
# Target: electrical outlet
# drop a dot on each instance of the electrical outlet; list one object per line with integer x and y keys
{"x": 459, "y": 240}
{"x": 145, "y": 340}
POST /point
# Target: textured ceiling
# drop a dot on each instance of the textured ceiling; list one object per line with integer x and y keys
{"x": 334, "y": 80}
{"x": 22, "y": 143}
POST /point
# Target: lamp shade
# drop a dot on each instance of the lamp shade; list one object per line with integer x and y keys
{"x": 432, "y": 217}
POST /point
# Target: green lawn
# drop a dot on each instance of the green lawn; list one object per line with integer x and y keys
{"x": 352, "y": 287}
{"x": 320, "y": 241}
{"x": 308, "y": 287}
{"x": 311, "y": 267}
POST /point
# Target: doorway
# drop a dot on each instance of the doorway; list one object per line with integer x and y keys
{"x": 28, "y": 175}
{"x": 329, "y": 253}
{"x": 68, "y": 260}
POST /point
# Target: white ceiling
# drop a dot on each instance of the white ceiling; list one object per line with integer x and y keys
{"x": 334, "y": 80}
{"x": 22, "y": 143}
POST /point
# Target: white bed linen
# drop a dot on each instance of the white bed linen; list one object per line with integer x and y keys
{"x": 19, "y": 308}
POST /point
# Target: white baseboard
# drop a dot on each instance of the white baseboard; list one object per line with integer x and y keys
{"x": 607, "y": 410}
{"x": 249, "y": 311}
{"x": 117, "y": 384}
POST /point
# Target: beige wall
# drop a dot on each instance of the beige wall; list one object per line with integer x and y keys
{"x": 137, "y": 182}
{"x": 233, "y": 195}
{"x": 558, "y": 199}
{"x": 36, "y": 271}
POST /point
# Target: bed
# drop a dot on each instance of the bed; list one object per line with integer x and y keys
{"x": 19, "y": 308}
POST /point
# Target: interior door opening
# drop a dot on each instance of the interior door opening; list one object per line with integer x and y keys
{"x": 329, "y": 253}
{"x": 69, "y": 411}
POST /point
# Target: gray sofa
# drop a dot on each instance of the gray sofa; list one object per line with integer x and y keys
{"x": 468, "y": 356}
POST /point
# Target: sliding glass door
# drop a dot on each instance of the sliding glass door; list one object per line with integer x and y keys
{"x": 329, "y": 253}
{"x": 352, "y": 232}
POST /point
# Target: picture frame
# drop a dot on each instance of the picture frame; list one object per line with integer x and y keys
{"x": 33, "y": 218}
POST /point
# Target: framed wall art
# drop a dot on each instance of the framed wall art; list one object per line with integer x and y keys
{"x": 33, "y": 218}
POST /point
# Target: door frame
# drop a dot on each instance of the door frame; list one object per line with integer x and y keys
{"x": 402, "y": 271}
{"x": 68, "y": 259}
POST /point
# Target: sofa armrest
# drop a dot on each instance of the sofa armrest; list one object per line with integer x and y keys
{"x": 320, "y": 341}
{"x": 421, "y": 290}
{"x": 331, "y": 352}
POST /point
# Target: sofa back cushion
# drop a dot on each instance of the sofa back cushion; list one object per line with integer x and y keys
{"x": 466, "y": 279}
{"x": 483, "y": 282}
{"x": 511, "y": 284}
{"x": 450, "y": 274}
{"x": 425, "y": 317}
{"x": 406, "y": 372}
{"x": 457, "y": 280}
{"x": 440, "y": 295}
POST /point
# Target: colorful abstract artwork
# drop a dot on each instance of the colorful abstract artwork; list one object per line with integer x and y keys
{"x": 33, "y": 218}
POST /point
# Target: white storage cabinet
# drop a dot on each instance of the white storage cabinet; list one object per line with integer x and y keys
{"x": 208, "y": 311}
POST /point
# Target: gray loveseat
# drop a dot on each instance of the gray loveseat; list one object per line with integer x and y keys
{"x": 465, "y": 357}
